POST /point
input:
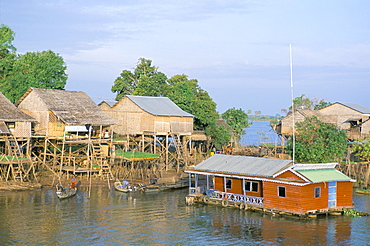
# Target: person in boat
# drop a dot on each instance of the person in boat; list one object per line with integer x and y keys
{"x": 73, "y": 182}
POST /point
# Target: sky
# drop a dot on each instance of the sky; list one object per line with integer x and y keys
{"x": 238, "y": 50}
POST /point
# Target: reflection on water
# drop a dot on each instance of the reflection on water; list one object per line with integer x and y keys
{"x": 113, "y": 218}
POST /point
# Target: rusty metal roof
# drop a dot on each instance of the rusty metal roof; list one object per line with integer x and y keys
{"x": 160, "y": 106}
{"x": 243, "y": 165}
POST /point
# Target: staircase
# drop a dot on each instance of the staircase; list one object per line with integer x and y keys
{"x": 99, "y": 158}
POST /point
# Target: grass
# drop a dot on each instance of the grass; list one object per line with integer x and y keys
{"x": 136, "y": 155}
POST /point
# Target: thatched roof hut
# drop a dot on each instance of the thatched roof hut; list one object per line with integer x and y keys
{"x": 56, "y": 109}
{"x": 12, "y": 120}
{"x": 285, "y": 125}
{"x": 138, "y": 115}
{"x": 352, "y": 117}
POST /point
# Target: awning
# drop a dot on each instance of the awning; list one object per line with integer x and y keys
{"x": 3, "y": 128}
{"x": 75, "y": 129}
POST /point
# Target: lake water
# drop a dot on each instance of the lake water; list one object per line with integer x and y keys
{"x": 109, "y": 217}
{"x": 260, "y": 132}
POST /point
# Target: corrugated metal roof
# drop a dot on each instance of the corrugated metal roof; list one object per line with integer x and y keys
{"x": 245, "y": 165}
{"x": 357, "y": 107}
{"x": 324, "y": 175}
{"x": 161, "y": 106}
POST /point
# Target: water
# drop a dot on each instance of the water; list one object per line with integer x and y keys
{"x": 260, "y": 132}
{"x": 113, "y": 218}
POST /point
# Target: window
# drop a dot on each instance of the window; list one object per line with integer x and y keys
{"x": 251, "y": 186}
{"x": 281, "y": 191}
{"x": 228, "y": 183}
{"x": 317, "y": 192}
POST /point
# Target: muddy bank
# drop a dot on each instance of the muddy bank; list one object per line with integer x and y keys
{"x": 47, "y": 180}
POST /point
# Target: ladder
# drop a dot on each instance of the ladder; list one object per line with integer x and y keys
{"x": 99, "y": 158}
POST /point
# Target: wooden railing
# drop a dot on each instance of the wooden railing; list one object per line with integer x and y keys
{"x": 219, "y": 195}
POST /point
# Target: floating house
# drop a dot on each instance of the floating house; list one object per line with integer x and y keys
{"x": 60, "y": 111}
{"x": 270, "y": 185}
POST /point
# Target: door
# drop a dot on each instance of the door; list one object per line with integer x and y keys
{"x": 332, "y": 197}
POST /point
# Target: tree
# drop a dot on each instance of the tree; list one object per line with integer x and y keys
{"x": 237, "y": 120}
{"x": 7, "y": 56}
{"x": 7, "y": 38}
{"x": 182, "y": 92}
{"x": 362, "y": 149}
{"x": 145, "y": 80}
{"x": 190, "y": 97}
{"x": 317, "y": 141}
{"x": 44, "y": 69}
{"x": 219, "y": 135}
{"x": 303, "y": 102}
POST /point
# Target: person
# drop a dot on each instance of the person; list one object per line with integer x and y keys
{"x": 73, "y": 182}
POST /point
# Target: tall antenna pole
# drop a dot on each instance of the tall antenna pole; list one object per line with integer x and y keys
{"x": 292, "y": 95}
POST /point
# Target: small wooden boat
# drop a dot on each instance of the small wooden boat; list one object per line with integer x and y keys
{"x": 122, "y": 186}
{"x": 363, "y": 191}
{"x": 65, "y": 192}
{"x": 125, "y": 186}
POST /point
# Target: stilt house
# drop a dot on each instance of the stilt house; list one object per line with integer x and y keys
{"x": 270, "y": 185}
{"x": 136, "y": 115}
{"x": 59, "y": 111}
{"x": 13, "y": 121}
{"x": 285, "y": 125}
{"x": 352, "y": 117}
{"x": 15, "y": 135}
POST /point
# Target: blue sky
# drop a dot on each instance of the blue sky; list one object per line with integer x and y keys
{"x": 237, "y": 50}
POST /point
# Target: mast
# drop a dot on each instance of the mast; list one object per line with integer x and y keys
{"x": 292, "y": 95}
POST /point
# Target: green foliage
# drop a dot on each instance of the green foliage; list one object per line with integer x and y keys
{"x": 317, "y": 142}
{"x": 34, "y": 69}
{"x": 362, "y": 149}
{"x": 237, "y": 119}
{"x": 182, "y": 91}
{"x": 7, "y": 56}
{"x": 321, "y": 104}
{"x": 7, "y": 38}
{"x": 303, "y": 102}
{"x": 144, "y": 81}
{"x": 44, "y": 69}
{"x": 351, "y": 212}
{"x": 204, "y": 109}
{"x": 219, "y": 134}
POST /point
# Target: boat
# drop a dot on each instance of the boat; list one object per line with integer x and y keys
{"x": 125, "y": 186}
{"x": 65, "y": 192}
{"x": 363, "y": 191}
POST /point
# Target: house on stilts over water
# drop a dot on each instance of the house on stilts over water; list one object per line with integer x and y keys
{"x": 152, "y": 124}
{"x": 72, "y": 133}
{"x": 15, "y": 135}
{"x": 270, "y": 185}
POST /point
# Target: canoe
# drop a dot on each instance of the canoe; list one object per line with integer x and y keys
{"x": 125, "y": 186}
{"x": 363, "y": 191}
{"x": 65, "y": 192}
{"x": 118, "y": 185}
